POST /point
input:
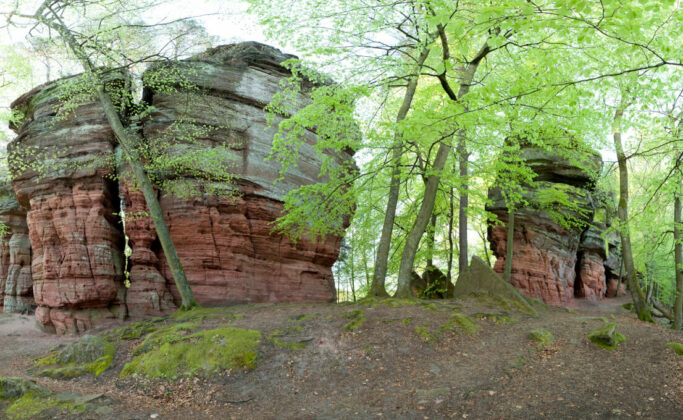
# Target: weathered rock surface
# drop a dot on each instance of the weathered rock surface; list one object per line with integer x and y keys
{"x": 75, "y": 236}
{"x": 552, "y": 261}
{"x": 228, "y": 250}
{"x": 226, "y": 246}
{"x": 16, "y": 286}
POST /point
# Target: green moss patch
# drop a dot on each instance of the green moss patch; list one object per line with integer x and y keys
{"x": 163, "y": 335}
{"x": 24, "y": 399}
{"x": 203, "y": 352}
{"x": 88, "y": 354}
{"x": 607, "y": 336}
{"x": 198, "y": 314}
{"x": 372, "y": 301}
{"x": 423, "y": 332}
{"x": 462, "y": 322}
{"x": 289, "y": 339}
{"x": 542, "y": 336}
{"x": 133, "y": 331}
{"x": 302, "y": 317}
{"x": 677, "y": 347}
{"x": 498, "y": 319}
{"x": 356, "y": 319}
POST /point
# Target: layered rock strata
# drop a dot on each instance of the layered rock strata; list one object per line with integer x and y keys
{"x": 62, "y": 177}
{"x": 553, "y": 260}
{"x": 16, "y": 286}
{"x": 227, "y": 246}
{"x": 73, "y": 193}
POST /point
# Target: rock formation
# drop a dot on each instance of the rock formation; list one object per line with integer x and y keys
{"x": 227, "y": 247}
{"x": 16, "y": 287}
{"x": 554, "y": 261}
{"x": 64, "y": 179}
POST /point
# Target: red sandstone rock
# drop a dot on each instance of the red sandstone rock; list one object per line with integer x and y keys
{"x": 227, "y": 248}
{"x": 16, "y": 288}
{"x": 75, "y": 236}
{"x": 544, "y": 259}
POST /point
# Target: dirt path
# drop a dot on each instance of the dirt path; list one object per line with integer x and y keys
{"x": 402, "y": 363}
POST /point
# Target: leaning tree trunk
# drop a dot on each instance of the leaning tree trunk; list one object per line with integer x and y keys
{"x": 432, "y": 184}
{"x": 678, "y": 257}
{"x": 129, "y": 140}
{"x": 509, "y": 246}
{"x": 381, "y": 259}
{"x": 641, "y": 306}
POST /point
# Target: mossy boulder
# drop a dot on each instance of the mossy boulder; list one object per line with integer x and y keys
{"x": 203, "y": 352}
{"x": 88, "y": 354}
{"x": 24, "y": 399}
{"x": 542, "y": 336}
{"x": 677, "y": 347}
{"x": 607, "y": 336}
{"x": 168, "y": 334}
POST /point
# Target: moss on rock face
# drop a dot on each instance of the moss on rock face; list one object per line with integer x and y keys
{"x": 542, "y": 336}
{"x": 677, "y": 347}
{"x": 607, "y": 336}
{"x": 88, "y": 354}
{"x": 203, "y": 352}
{"x": 163, "y": 335}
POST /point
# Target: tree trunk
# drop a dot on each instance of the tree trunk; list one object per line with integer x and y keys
{"x": 353, "y": 282}
{"x": 432, "y": 185}
{"x": 129, "y": 141}
{"x": 451, "y": 213}
{"x": 462, "y": 209}
{"x": 430, "y": 241}
{"x": 678, "y": 257}
{"x": 381, "y": 259}
{"x": 509, "y": 245}
{"x": 641, "y": 307}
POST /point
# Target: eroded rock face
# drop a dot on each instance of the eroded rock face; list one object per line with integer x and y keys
{"x": 16, "y": 286}
{"x": 75, "y": 236}
{"x": 226, "y": 246}
{"x": 552, "y": 262}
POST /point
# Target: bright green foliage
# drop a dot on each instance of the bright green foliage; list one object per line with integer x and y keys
{"x": 542, "y": 336}
{"x": 204, "y": 352}
{"x": 677, "y": 347}
{"x": 89, "y": 354}
{"x": 607, "y": 336}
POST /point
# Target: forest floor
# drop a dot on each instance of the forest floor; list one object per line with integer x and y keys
{"x": 393, "y": 360}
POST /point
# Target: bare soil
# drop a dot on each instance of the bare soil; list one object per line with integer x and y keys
{"x": 398, "y": 364}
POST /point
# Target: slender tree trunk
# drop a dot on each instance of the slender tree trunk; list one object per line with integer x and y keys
{"x": 430, "y": 241}
{"x": 462, "y": 209}
{"x": 509, "y": 246}
{"x": 451, "y": 213}
{"x": 678, "y": 257}
{"x": 432, "y": 185}
{"x": 353, "y": 282}
{"x": 129, "y": 140}
{"x": 642, "y": 309}
{"x": 381, "y": 259}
